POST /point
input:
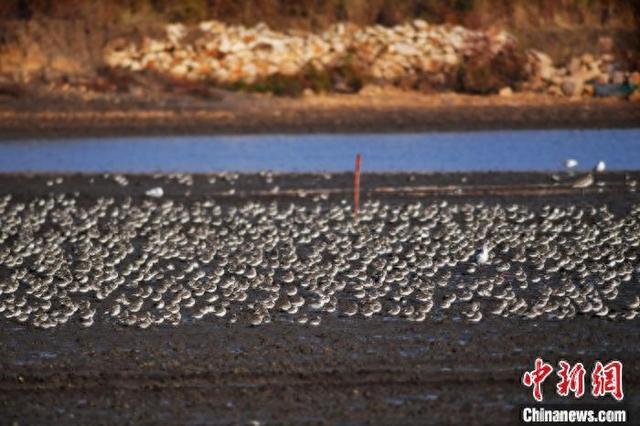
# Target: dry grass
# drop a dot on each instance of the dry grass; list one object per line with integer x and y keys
{"x": 317, "y": 14}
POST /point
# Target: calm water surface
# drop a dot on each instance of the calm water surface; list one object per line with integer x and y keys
{"x": 451, "y": 151}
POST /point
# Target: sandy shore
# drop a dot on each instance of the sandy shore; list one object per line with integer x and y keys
{"x": 233, "y": 113}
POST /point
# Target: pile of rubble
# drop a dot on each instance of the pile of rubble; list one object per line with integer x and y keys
{"x": 582, "y": 76}
{"x": 230, "y": 54}
{"x": 442, "y": 56}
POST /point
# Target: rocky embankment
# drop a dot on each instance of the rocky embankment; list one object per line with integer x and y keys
{"x": 584, "y": 76}
{"x": 236, "y": 54}
{"x": 343, "y": 58}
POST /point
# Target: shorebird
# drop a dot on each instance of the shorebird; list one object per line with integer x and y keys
{"x": 284, "y": 262}
{"x": 583, "y": 182}
{"x": 483, "y": 256}
{"x": 571, "y": 163}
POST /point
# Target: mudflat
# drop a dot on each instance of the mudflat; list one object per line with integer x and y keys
{"x": 386, "y": 110}
{"x": 376, "y": 369}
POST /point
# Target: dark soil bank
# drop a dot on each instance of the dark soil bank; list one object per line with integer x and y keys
{"x": 240, "y": 114}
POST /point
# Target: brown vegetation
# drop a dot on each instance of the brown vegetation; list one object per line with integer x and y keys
{"x": 316, "y": 14}
{"x": 483, "y": 74}
{"x": 341, "y": 78}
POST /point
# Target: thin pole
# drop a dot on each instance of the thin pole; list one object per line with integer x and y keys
{"x": 356, "y": 186}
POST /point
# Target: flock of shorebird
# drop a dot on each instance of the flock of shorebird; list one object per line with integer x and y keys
{"x": 154, "y": 261}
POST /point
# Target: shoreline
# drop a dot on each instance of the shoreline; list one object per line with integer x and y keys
{"x": 237, "y": 114}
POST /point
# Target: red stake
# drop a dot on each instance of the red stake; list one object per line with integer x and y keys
{"x": 356, "y": 187}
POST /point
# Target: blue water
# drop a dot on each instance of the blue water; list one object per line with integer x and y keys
{"x": 468, "y": 151}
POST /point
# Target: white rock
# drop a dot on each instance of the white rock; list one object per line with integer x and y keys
{"x": 175, "y": 32}
{"x": 404, "y": 49}
{"x": 572, "y": 86}
{"x": 506, "y": 92}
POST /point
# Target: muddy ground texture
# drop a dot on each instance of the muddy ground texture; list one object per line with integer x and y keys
{"x": 175, "y": 110}
{"x": 356, "y": 370}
